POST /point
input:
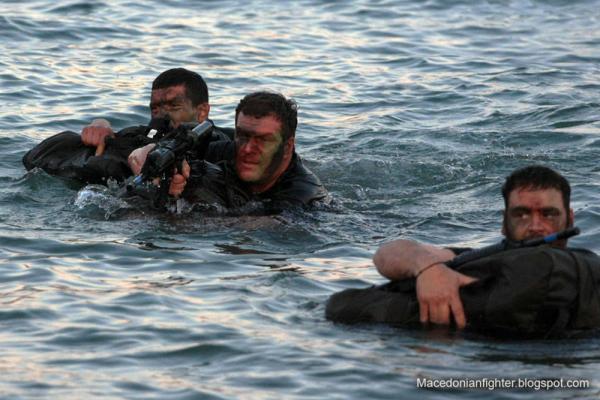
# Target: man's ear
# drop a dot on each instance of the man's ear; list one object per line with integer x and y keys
{"x": 571, "y": 221}
{"x": 202, "y": 110}
{"x": 289, "y": 146}
{"x": 504, "y": 223}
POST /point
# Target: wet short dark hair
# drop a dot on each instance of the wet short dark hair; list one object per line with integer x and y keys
{"x": 195, "y": 86}
{"x": 261, "y": 104}
{"x": 537, "y": 177}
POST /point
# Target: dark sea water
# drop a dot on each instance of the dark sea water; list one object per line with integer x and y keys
{"x": 411, "y": 113}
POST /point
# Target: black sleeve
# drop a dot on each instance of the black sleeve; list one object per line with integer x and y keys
{"x": 214, "y": 146}
{"x": 222, "y": 150}
{"x": 206, "y": 184}
{"x": 459, "y": 250}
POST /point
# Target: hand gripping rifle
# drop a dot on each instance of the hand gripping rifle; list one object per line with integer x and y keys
{"x": 168, "y": 155}
{"x": 506, "y": 244}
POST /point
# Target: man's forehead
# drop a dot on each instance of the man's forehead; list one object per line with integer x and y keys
{"x": 268, "y": 116}
{"x": 535, "y": 196}
{"x": 268, "y": 124}
{"x": 169, "y": 93}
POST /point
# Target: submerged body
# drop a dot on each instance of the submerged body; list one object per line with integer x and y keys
{"x": 538, "y": 292}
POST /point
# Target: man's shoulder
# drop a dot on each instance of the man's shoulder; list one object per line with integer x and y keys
{"x": 582, "y": 251}
{"x": 223, "y": 134}
{"x": 299, "y": 173}
{"x": 298, "y": 185}
{"x": 220, "y": 150}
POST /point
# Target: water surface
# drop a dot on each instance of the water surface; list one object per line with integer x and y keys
{"x": 411, "y": 113}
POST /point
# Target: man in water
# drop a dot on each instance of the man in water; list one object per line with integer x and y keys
{"x": 259, "y": 166}
{"x": 536, "y": 201}
{"x": 178, "y": 95}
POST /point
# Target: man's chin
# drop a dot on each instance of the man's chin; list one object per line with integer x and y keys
{"x": 247, "y": 176}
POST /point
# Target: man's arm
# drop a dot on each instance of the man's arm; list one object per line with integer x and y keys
{"x": 402, "y": 259}
{"x": 437, "y": 285}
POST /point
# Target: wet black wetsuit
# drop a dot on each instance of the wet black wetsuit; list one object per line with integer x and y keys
{"x": 65, "y": 155}
{"x": 215, "y": 181}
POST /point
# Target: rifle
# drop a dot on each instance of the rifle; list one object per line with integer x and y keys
{"x": 506, "y": 244}
{"x": 169, "y": 153}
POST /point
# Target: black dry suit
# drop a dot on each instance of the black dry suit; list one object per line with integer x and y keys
{"x": 216, "y": 183}
{"x": 65, "y": 155}
{"x": 535, "y": 292}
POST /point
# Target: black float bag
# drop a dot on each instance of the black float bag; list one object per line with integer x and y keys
{"x": 65, "y": 155}
{"x": 536, "y": 292}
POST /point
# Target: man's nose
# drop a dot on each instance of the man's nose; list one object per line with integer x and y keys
{"x": 536, "y": 225}
{"x": 248, "y": 146}
{"x": 161, "y": 110}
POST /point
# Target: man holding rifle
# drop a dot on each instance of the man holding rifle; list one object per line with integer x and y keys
{"x": 537, "y": 204}
{"x": 259, "y": 167}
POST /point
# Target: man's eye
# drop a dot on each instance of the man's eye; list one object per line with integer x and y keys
{"x": 520, "y": 214}
{"x": 550, "y": 214}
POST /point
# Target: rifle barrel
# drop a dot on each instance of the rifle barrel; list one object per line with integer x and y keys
{"x": 476, "y": 254}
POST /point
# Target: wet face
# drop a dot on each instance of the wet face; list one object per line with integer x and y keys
{"x": 261, "y": 154}
{"x": 533, "y": 213}
{"x": 173, "y": 102}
